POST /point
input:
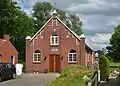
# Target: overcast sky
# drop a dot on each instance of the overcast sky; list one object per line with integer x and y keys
{"x": 99, "y": 17}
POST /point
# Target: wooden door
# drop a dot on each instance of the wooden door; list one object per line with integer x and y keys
{"x": 57, "y": 62}
{"x": 51, "y": 63}
{"x": 54, "y": 63}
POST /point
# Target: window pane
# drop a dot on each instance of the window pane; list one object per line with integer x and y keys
{"x": 35, "y": 55}
{"x": 74, "y": 55}
{"x": 74, "y": 59}
{"x": 35, "y": 59}
{"x": 56, "y": 40}
{"x": 39, "y": 57}
{"x": 70, "y": 55}
{"x": 70, "y": 59}
{"x": 52, "y": 40}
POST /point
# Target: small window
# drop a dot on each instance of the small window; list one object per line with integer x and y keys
{"x": 54, "y": 39}
{"x": 72, "y": 56}
{"x": 37, "y": 56}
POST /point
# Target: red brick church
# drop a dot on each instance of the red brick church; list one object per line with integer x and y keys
{"x": 56, "y": 46}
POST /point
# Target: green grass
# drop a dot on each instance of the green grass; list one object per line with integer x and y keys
{"x": 114, "y": 66}
{"x": 72, "y": 76}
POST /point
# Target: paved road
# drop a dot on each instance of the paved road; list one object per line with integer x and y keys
{"x": 112, "y": 82}
{"x": 30, "y": 80}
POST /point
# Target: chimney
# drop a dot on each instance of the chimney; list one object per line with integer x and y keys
{"x": 6, "y": 37}
{"x": 82, "y": 47}
{"x": 28, "y": 49}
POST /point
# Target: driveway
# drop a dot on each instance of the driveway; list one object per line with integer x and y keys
{"x": 31, "y": 80}
{"x": 111, "y": 82}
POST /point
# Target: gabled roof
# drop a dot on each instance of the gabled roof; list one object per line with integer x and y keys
{"x": 4, "y": 43}
{"x": 41, "y": 29}
{"x": 78, "y": 37}
{"x": 88, "y": 47}
{"x": 60, "y": 22}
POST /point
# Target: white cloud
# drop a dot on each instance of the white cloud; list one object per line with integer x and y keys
{"x": 99, "y": 17}
{"x": 98, "y": 41}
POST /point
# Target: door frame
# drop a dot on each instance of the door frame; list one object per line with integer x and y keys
{"x": 12, "y": 59}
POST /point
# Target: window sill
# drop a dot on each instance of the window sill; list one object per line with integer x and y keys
{"x": 72, "y": 62}
{"x": 54, "y": 45}
{"x": 36, "y": 62}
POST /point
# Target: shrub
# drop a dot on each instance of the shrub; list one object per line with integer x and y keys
{"x": 72, "y": 76}
{"x": 104, "y": 67}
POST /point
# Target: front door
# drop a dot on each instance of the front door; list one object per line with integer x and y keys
{"x": 54, "y": 63}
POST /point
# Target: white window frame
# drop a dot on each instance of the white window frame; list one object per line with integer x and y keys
{"x": 37, "y": 57}
{"x": 53, "y": 42}
{"x": 72, "y": 57}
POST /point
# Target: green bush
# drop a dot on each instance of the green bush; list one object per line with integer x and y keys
{"x": 72, "y": 76}
{"x": 104, "y": 66}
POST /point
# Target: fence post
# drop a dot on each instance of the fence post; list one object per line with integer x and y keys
{"x": 98, "y": 75}
{"x": 89, "y": 83}
{"x": 96, "y": 81}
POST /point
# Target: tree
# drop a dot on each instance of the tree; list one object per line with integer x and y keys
{"x": 16, "y": 23}
{"x": 4, "y": 14}
{"x": 114, "y": 46}
{"x": 42, "y": 12}
{"x": 104, "y": 67}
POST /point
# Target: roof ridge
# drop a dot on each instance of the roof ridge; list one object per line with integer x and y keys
{"x": 61, "y": 22}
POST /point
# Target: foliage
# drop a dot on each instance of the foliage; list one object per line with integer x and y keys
{"x": 104, "y": 67}
{"x": 72, "y": 76}
{"x": 43, "y": 10}
{"x": 15, "y": 22}
{"x": 41, "y": 13}
{"x": 114, "y": 47}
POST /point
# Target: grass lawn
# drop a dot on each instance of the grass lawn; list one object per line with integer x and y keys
{"x": 114, "y": 66}
{"x": 72, "y": 76}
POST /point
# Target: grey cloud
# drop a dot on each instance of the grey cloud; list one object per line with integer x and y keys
{"x": 99, "y": 16}
{"x": 106, "y": 12}
{"x": 99, "y": 24}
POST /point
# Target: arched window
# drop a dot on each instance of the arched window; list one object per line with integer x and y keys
{"x": 72, "y": 56}
{"x": 54, "y": 39}
{"x": 37, "y": 56}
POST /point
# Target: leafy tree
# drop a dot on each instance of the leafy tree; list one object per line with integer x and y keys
{"x": 41, "y": 13}
{"x": 43, "y": 10}
{"x": 114, "y": 47}
{"x": 16, "y": 23}
{"x": 104, "y": 67}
